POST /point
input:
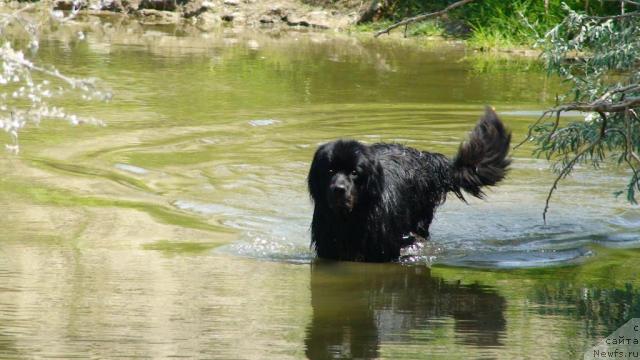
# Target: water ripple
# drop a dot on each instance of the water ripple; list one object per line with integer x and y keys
{"x": 520, "y": 259}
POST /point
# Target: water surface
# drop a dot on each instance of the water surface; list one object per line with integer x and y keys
{"x": 181, "y": 228}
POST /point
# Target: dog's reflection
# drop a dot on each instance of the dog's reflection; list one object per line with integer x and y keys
{"x": 357, "y": 306}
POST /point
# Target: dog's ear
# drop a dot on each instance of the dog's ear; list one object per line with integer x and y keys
{"x": 317, "y": 179}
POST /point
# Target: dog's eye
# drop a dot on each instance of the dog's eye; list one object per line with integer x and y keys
{"x": 331, "y": 171}
{"x": 354, "y": 173}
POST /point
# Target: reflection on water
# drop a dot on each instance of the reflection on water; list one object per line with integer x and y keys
{"x": 181, "y": 228}
{"x": 357, "y": 307}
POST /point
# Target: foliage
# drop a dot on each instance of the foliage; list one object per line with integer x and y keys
{"x": 422, "y": 28}
{"x": 425, "y": 28}
{"x": 497, "y": 23}
{"x": 598, "y": 57}
{"x": 28, "y": 90}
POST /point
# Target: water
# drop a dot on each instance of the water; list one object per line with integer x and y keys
{"x": 181, "y": 228}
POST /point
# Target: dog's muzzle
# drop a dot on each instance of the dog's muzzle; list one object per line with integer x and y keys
{"x": 341, "y": 197}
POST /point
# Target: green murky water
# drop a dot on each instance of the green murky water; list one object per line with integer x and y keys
{"x": 181, "y": 228}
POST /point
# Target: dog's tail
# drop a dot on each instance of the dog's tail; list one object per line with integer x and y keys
{"x": 482, "y": 160}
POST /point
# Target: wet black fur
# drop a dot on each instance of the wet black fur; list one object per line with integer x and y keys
{"x": 395, "y": 190}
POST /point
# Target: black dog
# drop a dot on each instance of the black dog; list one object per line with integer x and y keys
{"x": 372, "y": 200}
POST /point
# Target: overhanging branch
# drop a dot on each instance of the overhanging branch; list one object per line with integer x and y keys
{"x": 423, "y": 17}
{"x": 603, "y": 106}
{"x": 569, "y": 165}
{"x": 600, "y": 106}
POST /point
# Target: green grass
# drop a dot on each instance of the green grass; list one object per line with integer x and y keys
{"x": 425, "y": 28}
{"x": 510, "y": 25}
{"x": 492, "y": 38}
{"x": 495, "y": 24}
{"x": 422, "y": 29}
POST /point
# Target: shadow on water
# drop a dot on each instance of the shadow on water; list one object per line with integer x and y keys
{"x": 356, "y": 307}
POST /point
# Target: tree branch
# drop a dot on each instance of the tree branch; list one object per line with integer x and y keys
{"x": 631, "y": 2}
{"x": 423, "y": 17}
{"x": 629, "y": 154}
{"x": 613, "y": 17}
{"x": 619, "y": 90}
{"x": 600, "y": 105}
{"x": 544, "y": 114}
{"x": 569, "y": 166}
{"x": 555, "y": 125}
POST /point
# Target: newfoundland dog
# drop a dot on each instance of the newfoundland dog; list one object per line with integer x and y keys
{"x": 372, "y": 200}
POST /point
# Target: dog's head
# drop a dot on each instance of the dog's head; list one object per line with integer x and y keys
{"x": 344, "y": 174}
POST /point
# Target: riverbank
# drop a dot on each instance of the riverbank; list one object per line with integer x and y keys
{"x": 340, "y": 16}
{"x": 210, "y": 14}
{"x": 485, "y": 26}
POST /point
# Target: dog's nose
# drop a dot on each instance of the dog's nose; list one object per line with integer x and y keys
{"x": 339, "y": 188}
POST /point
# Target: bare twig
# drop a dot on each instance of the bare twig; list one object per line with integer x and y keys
{"x": 6, "y": 18}
{"x": 630, "y": 2}
{"x": 619, "y": 90}
{"x": 422, "y": 17}
{"x": 614, "y": 17}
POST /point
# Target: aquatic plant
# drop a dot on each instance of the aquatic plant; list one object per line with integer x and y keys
{"x": 597, "y": 56}
{"x": 29, "y": 90}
